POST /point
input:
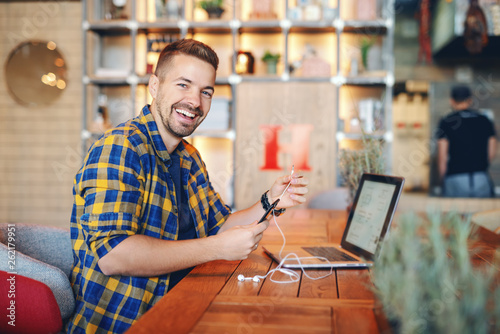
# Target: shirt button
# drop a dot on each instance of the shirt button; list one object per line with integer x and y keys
{"x": 162, "y": 284}
{"x": 175, "y": 210}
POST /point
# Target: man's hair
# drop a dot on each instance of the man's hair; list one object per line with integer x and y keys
{"x": 461, "y": 93}
{"x": 188, "y": 47}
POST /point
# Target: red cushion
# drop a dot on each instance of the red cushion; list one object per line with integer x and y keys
{"x": 29, "y": 304}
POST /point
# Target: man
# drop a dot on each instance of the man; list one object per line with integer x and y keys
{"x": 145, "y": 211}
{"x": 466, "y": 146}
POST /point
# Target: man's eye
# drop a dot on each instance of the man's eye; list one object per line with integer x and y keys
{"x": 207, "y": 94}
{"x": 182, "y": 85}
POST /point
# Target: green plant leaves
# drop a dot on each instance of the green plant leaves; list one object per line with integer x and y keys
{"x": 425, "y": 279}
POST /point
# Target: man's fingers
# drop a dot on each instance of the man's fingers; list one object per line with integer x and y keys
{"x": 260, "y": 228}
{"x": 259, "y": 237}
{"x": 298, "y": 190}
{"x": 299, "y": 180}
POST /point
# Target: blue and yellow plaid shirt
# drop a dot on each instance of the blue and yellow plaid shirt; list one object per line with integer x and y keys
{"x": 124, "y": 188}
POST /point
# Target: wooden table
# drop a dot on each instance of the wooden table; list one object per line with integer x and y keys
{"x": 212, "y": 300}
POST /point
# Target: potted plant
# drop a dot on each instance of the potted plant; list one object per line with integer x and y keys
{"x": 167, "y": 9}
{"x": 161, "y": 9}
{"x": 214, "y": 8}
{"x": 353, "y": 163}
{"x": 271, "y": 60}
{"x": 426, "y": 282}
{"x": 366, "y": 44}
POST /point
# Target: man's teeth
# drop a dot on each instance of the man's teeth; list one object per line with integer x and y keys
{"x": 185, "y": 113}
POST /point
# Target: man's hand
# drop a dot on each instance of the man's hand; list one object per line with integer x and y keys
{"x": 145, "y": 256}
{"x": 294, "y": 195}
{"x": 238, "y": 242}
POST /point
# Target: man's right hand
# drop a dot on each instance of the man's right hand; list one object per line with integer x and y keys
{"x": 239, "y": 241}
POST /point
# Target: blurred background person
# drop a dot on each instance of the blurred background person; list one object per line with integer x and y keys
{"x": 466, "y": 146}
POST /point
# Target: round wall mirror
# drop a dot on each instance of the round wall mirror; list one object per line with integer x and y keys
{"x": 36, "y": 73}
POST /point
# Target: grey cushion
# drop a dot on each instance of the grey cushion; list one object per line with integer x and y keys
{"x": 43, "y": 253}
{"x": 48, "y": 244}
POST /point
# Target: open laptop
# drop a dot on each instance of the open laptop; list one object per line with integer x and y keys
{"x": 370, "y": 218}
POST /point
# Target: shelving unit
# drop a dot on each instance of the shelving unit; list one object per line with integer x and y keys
{"x": 115, "y": 57}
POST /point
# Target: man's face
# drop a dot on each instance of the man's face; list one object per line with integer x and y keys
{"x": 184, "y": 96}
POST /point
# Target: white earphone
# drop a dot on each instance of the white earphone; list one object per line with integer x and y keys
{"x": 242, "y": 278}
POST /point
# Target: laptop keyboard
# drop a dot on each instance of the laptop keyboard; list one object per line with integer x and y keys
{"x": 331, "y": 253}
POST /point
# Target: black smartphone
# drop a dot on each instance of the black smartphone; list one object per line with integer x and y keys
{"x": 264, "y": 217}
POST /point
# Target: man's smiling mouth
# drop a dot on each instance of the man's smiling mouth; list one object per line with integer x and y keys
{"x": 186, "y": 113}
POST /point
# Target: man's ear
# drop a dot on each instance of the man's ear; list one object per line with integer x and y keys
{"x": 153, "y": 86}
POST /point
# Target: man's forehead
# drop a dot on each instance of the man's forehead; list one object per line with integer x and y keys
{"x": 191, "y": 68}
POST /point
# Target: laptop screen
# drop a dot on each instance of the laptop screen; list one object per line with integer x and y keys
{"x": 371, "y": 214}
{"x": 369, "y": 217}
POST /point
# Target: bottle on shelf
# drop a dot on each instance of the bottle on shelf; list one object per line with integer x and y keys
{"x": 101, "y": 122}
{"x": 155, "y": 43}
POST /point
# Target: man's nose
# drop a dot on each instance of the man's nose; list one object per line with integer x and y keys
{"x": 194, "y": 99}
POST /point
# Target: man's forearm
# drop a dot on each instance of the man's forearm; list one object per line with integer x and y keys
{"x": 146, "y": 256}
{"x": 442, "y": 156}
{"x": 492, "y": 149}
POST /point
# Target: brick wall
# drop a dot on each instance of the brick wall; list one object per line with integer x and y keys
{"x": 40, "y": 147}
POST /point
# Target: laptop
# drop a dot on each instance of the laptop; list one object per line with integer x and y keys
{"x": 369, "y": 221}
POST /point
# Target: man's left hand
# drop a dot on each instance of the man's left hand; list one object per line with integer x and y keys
{"x": 294, "y": 195}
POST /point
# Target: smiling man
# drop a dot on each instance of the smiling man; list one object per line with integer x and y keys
{"x": 144, "y": 210}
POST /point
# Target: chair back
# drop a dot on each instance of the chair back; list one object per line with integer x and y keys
{"x": 44, "y": 254}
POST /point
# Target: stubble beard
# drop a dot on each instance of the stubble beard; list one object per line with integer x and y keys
{"x": 168, "y": 121}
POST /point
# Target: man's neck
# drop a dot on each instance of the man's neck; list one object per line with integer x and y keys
{"x": 170, "y": 146}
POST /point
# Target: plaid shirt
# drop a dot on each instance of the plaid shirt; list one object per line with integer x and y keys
{"x": 124, "y": 188}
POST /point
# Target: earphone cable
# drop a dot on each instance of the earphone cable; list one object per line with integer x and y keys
{"x": 294, "y": 277}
